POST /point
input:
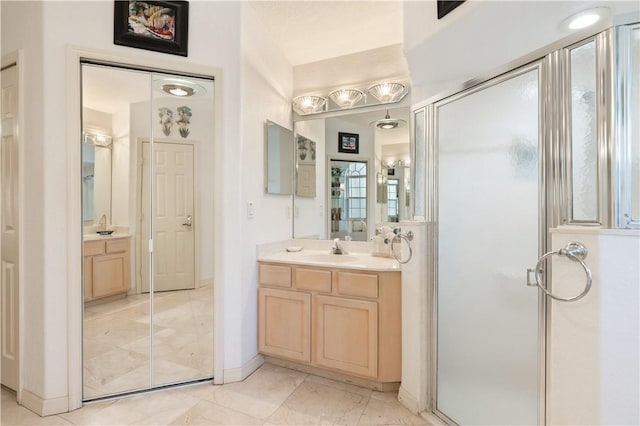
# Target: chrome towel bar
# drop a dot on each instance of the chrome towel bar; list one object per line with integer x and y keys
{"x": 576, "y": 252}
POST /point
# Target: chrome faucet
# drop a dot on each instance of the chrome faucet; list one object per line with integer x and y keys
{"x": 103, "y": 222}
{"x": 336, "y": 248}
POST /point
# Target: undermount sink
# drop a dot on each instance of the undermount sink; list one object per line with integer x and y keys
{"x": 329, "y": 258}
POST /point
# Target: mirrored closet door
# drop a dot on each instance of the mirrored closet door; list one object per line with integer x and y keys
{"x": 147, "y": 214}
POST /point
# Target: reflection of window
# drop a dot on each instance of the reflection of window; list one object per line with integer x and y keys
{"x": 356, "y": 190}
{"x": 392, "y": 200}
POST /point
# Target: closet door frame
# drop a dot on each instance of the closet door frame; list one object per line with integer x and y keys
{"x": 74, "y": 57}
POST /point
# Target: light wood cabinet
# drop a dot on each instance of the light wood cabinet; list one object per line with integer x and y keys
{"x": 335, "y": 319}
{"x": 284, "y": 319}
{"x": 345, "y": 335}
{"x": 105, "y": 268}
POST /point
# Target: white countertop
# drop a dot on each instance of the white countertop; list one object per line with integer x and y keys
{"x": 96, "y": 237}
{"x": 362, "y": 261}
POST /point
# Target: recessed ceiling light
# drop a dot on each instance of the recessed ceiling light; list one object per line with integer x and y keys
{"x": 584, "y": 19}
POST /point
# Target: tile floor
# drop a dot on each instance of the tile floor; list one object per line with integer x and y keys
{"x": 270, "y": 396}
{"x": 116, "y": 341}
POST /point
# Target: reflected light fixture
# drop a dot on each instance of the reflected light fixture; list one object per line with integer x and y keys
{"x": 388, "y": 123}
{"x": 346, "y": 98}
{"x": 584, "y": 19}
{"x": 387, "y": 92}
{"x": 177, "y": 90}
{"x": 309, "y": 104}
{"x": 179, "y": 87}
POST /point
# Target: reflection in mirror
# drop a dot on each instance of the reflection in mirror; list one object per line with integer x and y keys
{"x": 116, "y": 333}
{"x": 182, "y": 222}
{"x": 160, "y": 152}
{"x": 96, "y": 178}
{"x": 319, "y": 217}
{"x": 348, "y": 208}
{"x": 305, "y": 167}
{"x": 279, "y": 152}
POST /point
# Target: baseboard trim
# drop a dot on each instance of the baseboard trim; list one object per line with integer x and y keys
{"x": 239, "y": 374}
{"x": 409, "y": 401}
{"x": 44, "y": 407}
{"x": 334, "y": 375}
{"x": 206, "y": 282}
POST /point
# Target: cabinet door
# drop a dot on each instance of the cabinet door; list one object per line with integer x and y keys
{"x": 284, "y": 324}
{"x": 345, "y": 335}
{"x": 110, "y": 275}
{"x": 87, "y": 275}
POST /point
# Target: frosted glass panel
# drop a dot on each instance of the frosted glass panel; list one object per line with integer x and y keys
{"x": 634, "y": 123}
{"x": 488, "y": 237}
{"x": 583, "y": 132}
{"x": 419, "y": 164}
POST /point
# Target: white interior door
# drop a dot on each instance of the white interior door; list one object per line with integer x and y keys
{"x": 9, "y": 228}
{"x": 173, "y": 216}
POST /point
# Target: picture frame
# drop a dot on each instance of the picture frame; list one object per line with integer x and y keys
{"x": 161, "y": 26}
{"x": 348, "y": 142}
{"x": 446, "y": 6}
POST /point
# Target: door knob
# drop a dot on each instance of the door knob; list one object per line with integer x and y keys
{"x": 189, "y": 221}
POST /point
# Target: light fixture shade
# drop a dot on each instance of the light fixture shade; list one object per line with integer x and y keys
{"x": 346, "y": 98}
{"x": 388, "y": 123}
{"x": 387, "y": 92}
{"x": 309, "y": 104}
{"x": 179, "y": 87}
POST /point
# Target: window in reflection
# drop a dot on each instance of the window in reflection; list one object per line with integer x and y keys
{"x": 349, "y": 199}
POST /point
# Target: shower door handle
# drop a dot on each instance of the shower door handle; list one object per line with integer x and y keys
{"x": 531, "y": 282}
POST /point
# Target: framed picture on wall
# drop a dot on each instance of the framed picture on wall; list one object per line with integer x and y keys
{"x": 348, "y": 142}
{"x": 446, "y": 6}
{"x": 162, "y": 26}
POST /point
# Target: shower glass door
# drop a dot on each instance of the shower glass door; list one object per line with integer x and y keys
{"x": 488, "y": 235}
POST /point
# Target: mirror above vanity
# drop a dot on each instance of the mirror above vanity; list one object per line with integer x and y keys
{"x": 353, "y": 158}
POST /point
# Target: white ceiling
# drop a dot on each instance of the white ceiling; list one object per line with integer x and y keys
{"x": 309, "y": 31}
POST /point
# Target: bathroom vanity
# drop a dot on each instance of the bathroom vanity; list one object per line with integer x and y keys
{"x": 105, "y": 267}
{"x": 331, "y": 314}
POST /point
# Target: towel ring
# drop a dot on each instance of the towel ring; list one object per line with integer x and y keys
{"x": 399, "y": 238}
{"x": 577, "y": 252}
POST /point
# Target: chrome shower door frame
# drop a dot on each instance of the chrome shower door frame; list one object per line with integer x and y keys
{"x": 613, "y": 70}
{"x": 544, "y": 152}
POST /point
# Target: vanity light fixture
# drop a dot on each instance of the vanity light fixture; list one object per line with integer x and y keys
{"x": 95, "y": 138}
{"x": 309, "y": 104}
{"x": 350, "y": 98}
{"x": 388, "y": 92}
{"x": 388, "y": 123}
{"x": 346, "y": 98}
{"x": 584, "y": 19}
